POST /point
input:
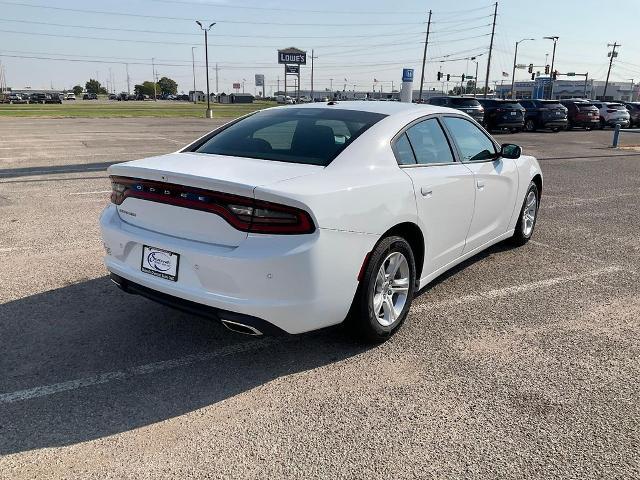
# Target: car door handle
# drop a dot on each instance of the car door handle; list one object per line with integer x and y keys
{"x": 426, "y": 192}
{"x": 480, "y": 185}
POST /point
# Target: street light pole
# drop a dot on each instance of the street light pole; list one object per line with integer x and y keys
{"x": 631, "y": 94}
{"x": 553, "y": 59}
{"x": 209, "y": 113}
{"x": 193, "y": 63}
{"x": 513, "y": 75}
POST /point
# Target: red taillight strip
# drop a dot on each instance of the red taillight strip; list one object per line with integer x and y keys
{"x": 214, "y": 202}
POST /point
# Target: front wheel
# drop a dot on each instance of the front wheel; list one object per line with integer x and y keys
{"x": 385, "y": 292}
{"x": 528, "y": 216}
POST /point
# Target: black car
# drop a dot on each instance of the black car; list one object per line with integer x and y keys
{"x": 503, "y": 114}
{"x": 544, "y": 114}
{"x": 470, "y": 106}
{"x": 634, "y": 113}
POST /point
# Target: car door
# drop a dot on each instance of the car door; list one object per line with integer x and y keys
{"x": 443, "y": 188}
{"x": 495, "y": 181}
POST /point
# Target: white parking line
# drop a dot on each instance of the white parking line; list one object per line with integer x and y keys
{"x": 515, "y": 289}
{"x": 90, "y": 193}
{"x": 145, "y": 369}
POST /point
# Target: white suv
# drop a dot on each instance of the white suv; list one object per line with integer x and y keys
{"x": 612, "y": 113}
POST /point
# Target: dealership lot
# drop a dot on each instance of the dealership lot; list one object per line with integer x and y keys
{"x": 521, "y": 363}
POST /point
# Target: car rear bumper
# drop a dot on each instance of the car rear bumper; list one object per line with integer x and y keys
{"x": 503, "y": 124}
{"x": 555, "y": 124}
{"x": 296, "y": 283}
{"x": 613, "y": 122}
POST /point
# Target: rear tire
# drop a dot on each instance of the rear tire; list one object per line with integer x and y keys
{"x": 527, "y": 217}
{"x": 530, "y": 126}
{"x": 385, "y": 292}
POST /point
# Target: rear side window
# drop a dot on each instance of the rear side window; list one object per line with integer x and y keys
{"x": 403, "y": 151}
{"x": 312, "y": 136}
{"x": 472, "y": 143}
{"x": 429, "y": 143}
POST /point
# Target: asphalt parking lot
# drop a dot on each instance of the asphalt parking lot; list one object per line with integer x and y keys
{"x": 520, "y": 364}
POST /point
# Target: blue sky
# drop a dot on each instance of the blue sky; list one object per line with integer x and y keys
{"x": 356, "y": 40}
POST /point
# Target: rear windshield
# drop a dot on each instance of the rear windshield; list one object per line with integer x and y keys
{"x": 616, "y": 106}
{"x": 552, "y": 105}
{"x": 511, "y": 105}
{"x": 465, "y": 102}
{"x": 313, "y": 136}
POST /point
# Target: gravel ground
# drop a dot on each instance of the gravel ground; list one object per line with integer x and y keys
{"x": 520, "y": 364}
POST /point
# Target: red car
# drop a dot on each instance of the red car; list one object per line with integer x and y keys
{"x": 581, "y": 113}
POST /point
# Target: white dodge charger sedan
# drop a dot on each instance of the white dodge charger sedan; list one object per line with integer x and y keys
{"x": 299, "y": 217}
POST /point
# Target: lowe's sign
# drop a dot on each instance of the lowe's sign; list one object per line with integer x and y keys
{"x": 293, "y": 56}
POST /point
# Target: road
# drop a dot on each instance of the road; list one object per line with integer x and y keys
{"x": 521, "y": 363}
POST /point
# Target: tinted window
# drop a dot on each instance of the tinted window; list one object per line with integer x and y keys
{"x": 464, "y": 102}
{"x": 525, "y": 103}
{"x": 510, "y": 105}
{"x": 429, "y": 143}
{"x": 300, "y": 135}
{"x": 472, "y": 143}
{"x": 404, "y": 153}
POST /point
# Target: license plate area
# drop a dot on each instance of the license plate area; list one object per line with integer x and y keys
{"x": 160, "y": 263}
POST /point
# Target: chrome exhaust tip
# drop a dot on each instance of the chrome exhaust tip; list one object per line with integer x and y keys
{"x": 241, "y": 328}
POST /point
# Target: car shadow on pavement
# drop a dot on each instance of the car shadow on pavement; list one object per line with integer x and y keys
{"x": 112, "y": 362}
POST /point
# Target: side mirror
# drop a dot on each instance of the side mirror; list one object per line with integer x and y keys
{"x": 509, "y": 150}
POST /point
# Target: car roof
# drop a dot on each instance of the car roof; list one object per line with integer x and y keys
{"x": 385, "y": 108}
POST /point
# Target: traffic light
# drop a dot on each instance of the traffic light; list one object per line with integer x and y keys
{"x": 533, "y": 76}
{"x": 448, "y": 77}
{"x": 530, "y": 68}
{"x": 463, "y": 77}
{"x": 546, "y": 69}
{"x": 555, "y": 74}
{"x": 439, "y": 75}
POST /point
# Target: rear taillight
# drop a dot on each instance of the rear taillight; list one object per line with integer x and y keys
{"x": 243, "y": 213}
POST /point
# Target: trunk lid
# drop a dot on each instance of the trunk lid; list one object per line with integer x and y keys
{"x": 168, "y": 174}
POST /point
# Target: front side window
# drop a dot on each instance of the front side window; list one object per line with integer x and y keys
{"x": 472, "y": 143}
{"x": 429, "y": 143}
{"x": 312, "y": 136}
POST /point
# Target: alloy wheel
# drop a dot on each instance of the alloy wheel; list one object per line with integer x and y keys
{"x": 391, "y": 289}
{"x": 529, "y": 213}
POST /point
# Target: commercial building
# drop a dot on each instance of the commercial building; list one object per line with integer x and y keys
{"x": 592, "y": 89}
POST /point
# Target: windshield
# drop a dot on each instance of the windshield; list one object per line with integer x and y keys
{"x": 312, "y": 136}
{"x": 465, "y": 102}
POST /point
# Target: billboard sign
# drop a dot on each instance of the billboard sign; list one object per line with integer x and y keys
{"x": 259, "y": 80}
{"x": 295, "y": 69}
{"x": 292, "y": 55}
{"x": 407, "y": 74}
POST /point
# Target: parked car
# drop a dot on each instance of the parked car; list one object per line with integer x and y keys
{"x": 16, "y": 98}
{"x": 113, "y": 96}
{"x": 470, "y": 106}
{"x": 634, "y": 113}
{"x": 39, "y": 98}
{"x": 581, "y": 113}
{"x": 503, "y": 114}
{"x": 90, "y": 96}
{"x": 54, "y": 98}
{"x": 544, "y": 114}
{"x": 282, "y": 99}
{"x": 250, "y": 236}
{"x": 70, "y": 96}
{"x": 612, "y": 113}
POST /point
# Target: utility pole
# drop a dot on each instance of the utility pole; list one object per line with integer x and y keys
{"x": 128, "y": 80}
{"x": 586, "y": 77}
{"x": 331, "y": 83}
{"x": 631, "y": 94}
{"x": 153, "y": 78}
{"x": 612, "y": 55}
{"x": 493, "y": 32}
{"x": 424, "y": 57}
{"x": 193, "y": 64}
{"x": 217, "y": 88}
{"x": 313, "y": 57}
{"x": 513, "y": 75}
{"x": 209, "y": 112}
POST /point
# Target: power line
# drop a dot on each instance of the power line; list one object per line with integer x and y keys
{"x": 245, "y": 22}
{"x": 94, "y": 27}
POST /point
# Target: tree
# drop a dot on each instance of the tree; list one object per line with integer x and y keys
{"x": 77, "y": 90}
{"x": 93, "y": 86}
{"x": 167, "y": 86}
{"x": 145, "y": 88}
